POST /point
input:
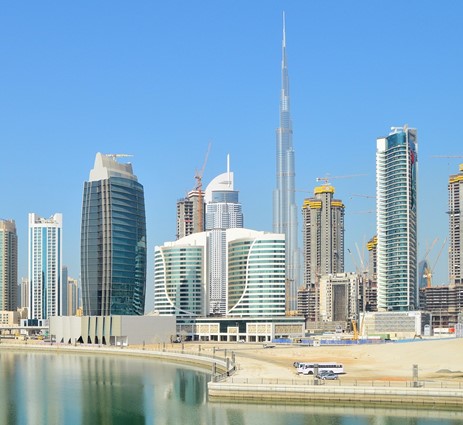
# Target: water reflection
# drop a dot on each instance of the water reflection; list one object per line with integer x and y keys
{"x": 64, "y": 388}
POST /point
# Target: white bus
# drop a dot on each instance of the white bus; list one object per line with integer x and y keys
{"x": 308, "y": 368}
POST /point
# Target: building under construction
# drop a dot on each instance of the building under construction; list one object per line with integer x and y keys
{"x": 444, "y": 302}
{"x": 190, "y": 214}
{"x": 455, "y": 188}
{"x": 323, "y": 234}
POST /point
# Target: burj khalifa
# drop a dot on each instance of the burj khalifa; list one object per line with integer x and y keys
{"x": 284, "y": 204}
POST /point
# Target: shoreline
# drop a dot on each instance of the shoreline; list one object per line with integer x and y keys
{"x": 267, "y": 375}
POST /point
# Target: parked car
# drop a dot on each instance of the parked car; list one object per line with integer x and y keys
{"x": 329, "y": 376}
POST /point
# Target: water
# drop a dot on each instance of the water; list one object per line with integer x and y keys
{"x": 65, "y": 388}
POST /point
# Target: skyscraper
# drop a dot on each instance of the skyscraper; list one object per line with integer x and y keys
{"x": 45, "y": 266}
{"x": 8, "y": 265}
{"x": 190, "y": 214}
{"x": 113, "y": 240}
{"x": 284, "y": 204}
{"x": 396, "y": 207}
{"x": 323, "y": 235}
{"x": 223, "y": 211}
{"x": 455, "y": 188}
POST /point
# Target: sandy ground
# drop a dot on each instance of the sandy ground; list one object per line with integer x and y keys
{"x": 436, "y": 359}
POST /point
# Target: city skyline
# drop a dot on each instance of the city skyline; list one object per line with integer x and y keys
{"x": 162, "y": 82}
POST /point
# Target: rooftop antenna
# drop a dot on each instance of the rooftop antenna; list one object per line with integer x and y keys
{"x": 228, "y": 170}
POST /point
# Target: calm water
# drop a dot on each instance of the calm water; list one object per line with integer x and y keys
{"x": 72, "y": 389}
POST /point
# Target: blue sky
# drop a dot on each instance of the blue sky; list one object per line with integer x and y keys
{"x": 160, "y": 80}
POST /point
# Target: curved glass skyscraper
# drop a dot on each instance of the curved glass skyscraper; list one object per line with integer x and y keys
{"x": 113, "y": 240}
{"x": 396, "y": 207}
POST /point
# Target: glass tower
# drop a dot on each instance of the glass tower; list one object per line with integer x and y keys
{"x": 396, "y": 206}
{"x": 256, "y": 274}
{"x": 113, "y": 240}
{"x": 284, "y": 204}
{"x": 179, "y": 277}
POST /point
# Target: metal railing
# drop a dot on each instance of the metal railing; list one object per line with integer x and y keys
{"x": 348, "y": 383}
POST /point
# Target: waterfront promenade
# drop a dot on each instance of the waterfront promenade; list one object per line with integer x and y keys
{"x": 375, "y": 374}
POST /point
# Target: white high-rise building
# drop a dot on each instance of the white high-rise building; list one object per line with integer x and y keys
{"x": 45, "y": 266}
{"x": 396, "y": 208}
{"x": 223, "y": 211}
{"x": 456, "y": 227}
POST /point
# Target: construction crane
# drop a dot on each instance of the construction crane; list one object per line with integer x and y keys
{"x": 118, "y": 155}
{"x": 428, "y": 270}
{"x": 327, "y": 179}
{"x": 199, "y": 190}
{"x": 357, "y": 195}
{"x": 362, "y": 212}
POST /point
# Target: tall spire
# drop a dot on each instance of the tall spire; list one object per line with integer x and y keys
{"x": 284, "y": 205}
{"x": 284, "y": 30}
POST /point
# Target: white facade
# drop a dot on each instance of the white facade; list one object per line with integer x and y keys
{"x": 180, "y": 277}
{"x": 45, "y": 266}
{"x": 223, "y": 211}
{"x": 253, "y": 269}
{"x": 256, "y": 274}
{"x": 400, "y": 324}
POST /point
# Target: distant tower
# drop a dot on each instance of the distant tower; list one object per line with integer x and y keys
{"x": 73, "y": 296}
{"x": 455, "y": 188}
{"x": 8, "y": 265}
{"x": 396, "y": 206}
{"x": 45, "y": 270}
{"x": 24, "y": 291}
{"x": 113, "y": 240}
{"x": 323, "y": 235}
{"x": 223, "y": 211}
{"x": 188, "y": 215}
{"x": 284, "y": 204}
{"x": 64, "y": 291}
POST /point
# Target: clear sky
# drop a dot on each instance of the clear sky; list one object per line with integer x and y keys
{"x": 160, "y": 80}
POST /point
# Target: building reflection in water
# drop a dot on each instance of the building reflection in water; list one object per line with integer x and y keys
{"x": 64, "y": 388}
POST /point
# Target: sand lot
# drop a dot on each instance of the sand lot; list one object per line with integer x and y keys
{"x": 439, "y": 360}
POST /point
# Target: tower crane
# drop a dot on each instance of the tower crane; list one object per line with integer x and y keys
{"x": 428, "y": 270}
{"x": 357, "y": 195}
{"x": 199, "y": 189}
{"x": 118, "y": 155}
{"x": 327, "y": 179}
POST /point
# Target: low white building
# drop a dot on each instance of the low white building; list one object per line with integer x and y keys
{"x": 112, "y": 330}
{"x": 395, "y": 324}
{"x": 246, "y": 329}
